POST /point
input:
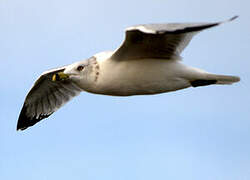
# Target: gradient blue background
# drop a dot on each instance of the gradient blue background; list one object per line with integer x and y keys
{"x": 193, "y": 134}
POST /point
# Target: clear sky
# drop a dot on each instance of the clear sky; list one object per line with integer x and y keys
{"x": 193, "y": 134}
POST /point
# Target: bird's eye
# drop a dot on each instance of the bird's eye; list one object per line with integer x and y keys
{"x": 80, "y": 68}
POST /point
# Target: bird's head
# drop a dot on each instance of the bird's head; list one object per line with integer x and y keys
{"x": 82, "y": 73}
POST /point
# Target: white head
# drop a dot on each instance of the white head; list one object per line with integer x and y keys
{"x": 83, "y": 73}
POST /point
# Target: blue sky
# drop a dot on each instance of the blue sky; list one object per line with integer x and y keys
{"x": 192, "y": 134}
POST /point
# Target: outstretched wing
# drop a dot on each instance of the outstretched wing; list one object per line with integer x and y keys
{"x": 158, "y": 40}
{"x": 45, "y": 97}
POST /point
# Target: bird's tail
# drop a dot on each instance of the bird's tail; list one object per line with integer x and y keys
{"x": 215, "y": 79}
{"x": 223, "y": 79}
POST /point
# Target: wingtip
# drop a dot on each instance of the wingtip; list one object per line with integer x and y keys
{"x": 22, "y": 120}
{"x": 229, "y": 20}
{"x": 18, "y": 128}
{"x": 233, "y": 18}
{"x": 25, "y": 121}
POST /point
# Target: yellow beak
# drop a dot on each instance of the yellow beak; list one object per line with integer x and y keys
{"x": 60, "y": 76}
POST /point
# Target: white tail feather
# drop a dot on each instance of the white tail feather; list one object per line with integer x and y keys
{"x": 223, "y": 79}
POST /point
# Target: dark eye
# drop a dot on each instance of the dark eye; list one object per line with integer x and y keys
{"x": 80, "y": 68}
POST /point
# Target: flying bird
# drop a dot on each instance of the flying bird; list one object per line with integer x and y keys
{"x": 147, "y": 62}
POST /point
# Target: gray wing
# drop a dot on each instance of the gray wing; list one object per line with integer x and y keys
{"x": 45, "y": 97}
{"x": 159, "y": 40}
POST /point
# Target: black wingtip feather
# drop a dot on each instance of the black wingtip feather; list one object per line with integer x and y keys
{"x": 24, "y": 121}
{"x": 233, "y": 18}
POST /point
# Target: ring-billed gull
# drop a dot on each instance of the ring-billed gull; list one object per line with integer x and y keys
{"x": 148, "y": 62}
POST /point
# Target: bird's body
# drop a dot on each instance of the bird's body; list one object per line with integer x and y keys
{"x": 131, "y": 78}
{"x": 141, "y": 77}
{"x": 148, "y": 62}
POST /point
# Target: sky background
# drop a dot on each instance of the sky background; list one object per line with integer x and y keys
{"x": 192, "y": 134}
